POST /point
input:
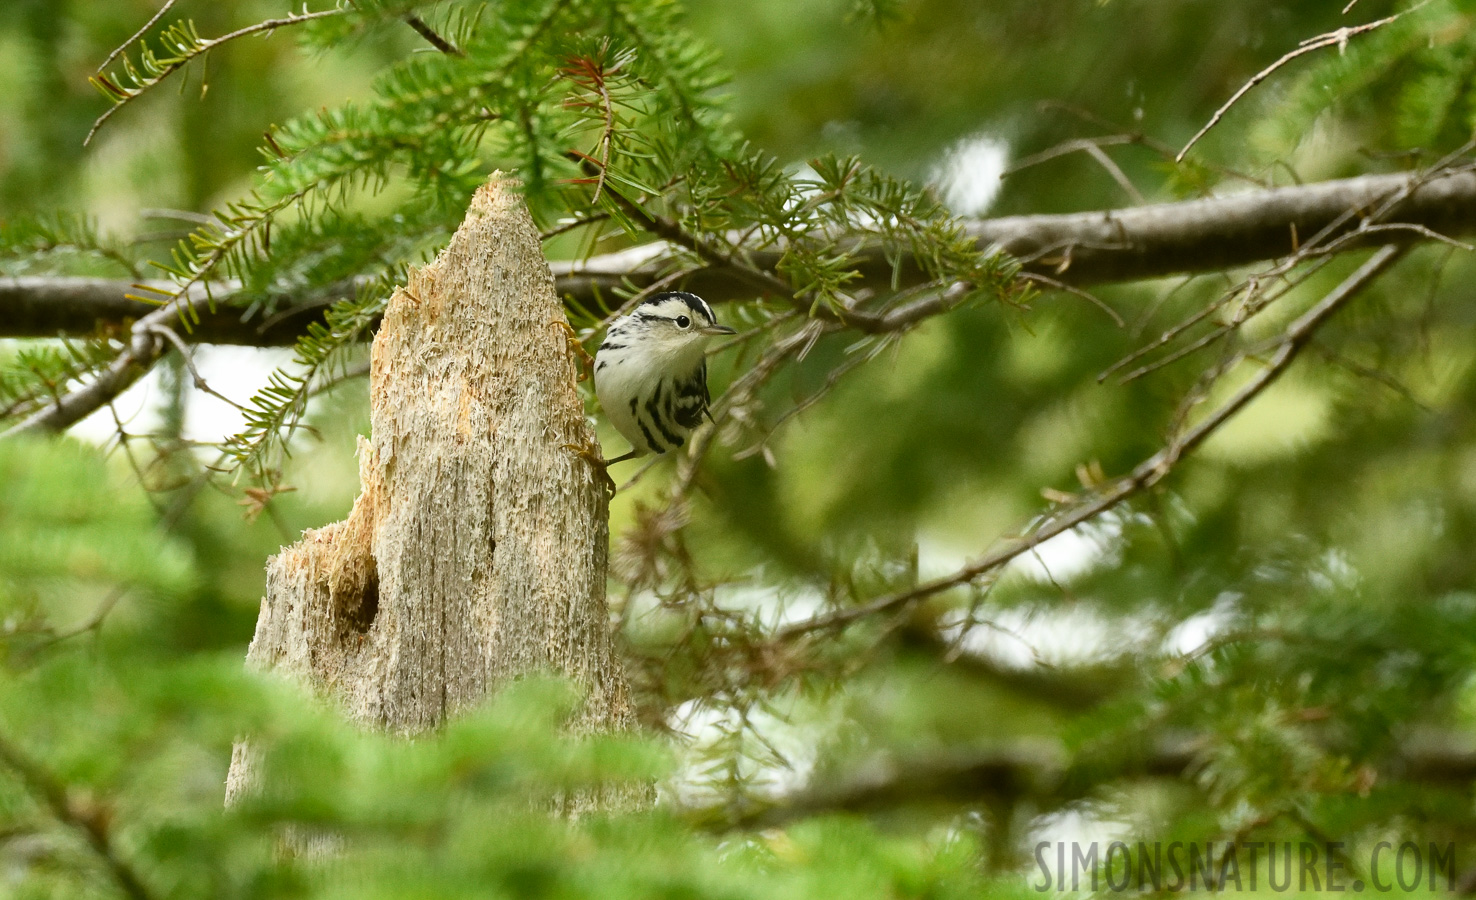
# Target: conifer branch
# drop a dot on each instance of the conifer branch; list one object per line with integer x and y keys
{"x": 1144, "y": 476}
{"x": 91, "y": 823}
{"x": 183, "y": 46}
{"x": 139, "y": 355}
{"x": 1336, "y": 38}
{"x": 45, "y": 236}
{"x": 1027, "y": 771}
{"x": 143, "y": 30}
{"x": 432, "y": 37}
{"x": 46, "y": 307}
{"x": 1076, "y": 249}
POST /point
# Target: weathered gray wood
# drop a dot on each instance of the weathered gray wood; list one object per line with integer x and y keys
{"x": 476, "y": 551}
{"x": 1102, "y": 246}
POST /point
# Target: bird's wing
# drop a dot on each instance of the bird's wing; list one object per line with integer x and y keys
{"x": 706, "y": 397}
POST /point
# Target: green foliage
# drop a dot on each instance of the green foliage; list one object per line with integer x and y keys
{"x": 137, "y": 739}
{"x": 29, "y": 245}
{"x": 1421, "y": 65}
{"x": 321, "y": 357}
{"x": 62, "y": 549}
{"x": 1294, "y": 600}
{"x": 42, "y": 372}
{"x": 634, "y": 106}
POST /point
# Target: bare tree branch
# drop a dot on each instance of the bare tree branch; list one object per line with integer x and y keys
{"x": 1076, "y": 249}
{"x": 1147, "y": 473}
{"x": 143, "y": 349}
{"x": 1032, "y": 771}
{"x": 36, "y": 307}
{"x": 1337, "y": 38}
{"x": 1224, "y": 232}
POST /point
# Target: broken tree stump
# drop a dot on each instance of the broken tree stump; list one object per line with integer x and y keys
{"x": 476, "y": 551}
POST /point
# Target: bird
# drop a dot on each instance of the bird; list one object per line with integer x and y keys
{"x": 650, "y": 373}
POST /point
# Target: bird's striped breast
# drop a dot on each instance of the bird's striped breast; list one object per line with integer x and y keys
{"x": 669, "y": 412}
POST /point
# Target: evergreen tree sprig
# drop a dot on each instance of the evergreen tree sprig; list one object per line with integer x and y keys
{"x": 31, "y": 241}
{"x": 179, "y": 45}
{"x": 41, "y": 373}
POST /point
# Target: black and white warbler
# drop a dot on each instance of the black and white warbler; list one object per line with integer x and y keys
{"x": 651, "y": 371}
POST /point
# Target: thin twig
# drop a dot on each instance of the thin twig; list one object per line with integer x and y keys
{"x": 607, "y": 137}
{"x": 572, "y": 224}
{"x": 832, "y": 378}
{"x": 1149, "y": 312}
{"x": 1372, "y": 373}
{"x": 1065, "y": 148}
{"x": 607, "y": 134}
{"x": 126, "y": 95}
{"x": 1188, "y": 349}
{"x": 1143, "y": 476}
{"x": 1097, "y": 153}
{"x": 184, "y": 352}
{"x": 761, "y": 278}
{"x": 91, "y": 823}
{"x": 1137, "y": 137}
{"x": 431, "y": 37}
{"x": 118, "y": 50}
{"x": 1075, "y": 291}
{"x": 124, "y": 442}
{"x": 1319, "y": 248}
{"x": 93, "y": 622}
{"x": 1338, "y": 37}
{"x": 674, "y": 233}
{"x": 1422, "y": 231}
{"x": 741, "y": 392}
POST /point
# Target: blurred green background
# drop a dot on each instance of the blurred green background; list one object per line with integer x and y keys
{"x": 1301, "y": 592}
{"x": 1011, "y": 403}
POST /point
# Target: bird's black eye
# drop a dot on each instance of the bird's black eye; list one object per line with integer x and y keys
{"x": 683, "y": 321}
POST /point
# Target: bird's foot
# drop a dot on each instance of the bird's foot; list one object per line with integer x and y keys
{"x": 583, "y": 361}
{"x": 590, "y": 453}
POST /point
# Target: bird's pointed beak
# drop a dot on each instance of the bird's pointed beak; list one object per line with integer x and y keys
{"x": 716, "y": 329}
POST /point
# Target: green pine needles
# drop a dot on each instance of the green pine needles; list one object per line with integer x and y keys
{"x": 1421, "y": 64}
{"x": 610, "y": 113}
{"x": 1015, "y": 575}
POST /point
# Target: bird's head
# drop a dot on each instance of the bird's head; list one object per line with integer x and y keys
{"x": 675, "y": 326}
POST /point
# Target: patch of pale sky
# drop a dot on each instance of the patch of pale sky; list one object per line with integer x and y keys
{"x": 236, "y": 372}
{"x": 968, "y": 174}
{"x": 1195, "y": 632}
{"x": 1065, "y": 832}
{"x": 1061, "y": 558}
